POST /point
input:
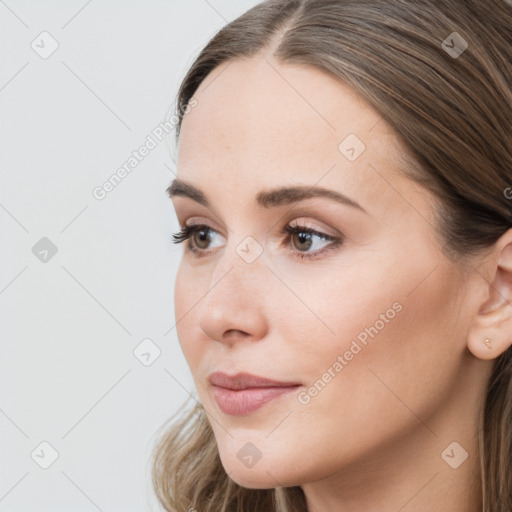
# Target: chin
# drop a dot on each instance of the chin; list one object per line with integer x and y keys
{"x": 264, "y": 474}
{"x": 256, "y": 480}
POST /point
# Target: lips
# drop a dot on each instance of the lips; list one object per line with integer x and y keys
{"x": 245, "y": 381}
{"x": 243, "y": 393}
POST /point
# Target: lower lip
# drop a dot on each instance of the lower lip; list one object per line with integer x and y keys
{"x": 245, "y": 401}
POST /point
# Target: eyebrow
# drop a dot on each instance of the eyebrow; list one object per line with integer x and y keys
{"x": 266, "y": 198}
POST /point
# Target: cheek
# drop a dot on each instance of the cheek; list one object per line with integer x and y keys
{"x": 185, "y": 299}
{"x": 392, "y": 351}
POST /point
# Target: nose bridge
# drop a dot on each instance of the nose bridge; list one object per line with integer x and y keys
{"x": 236, "y": 297}
{"x": 241, "y": 267}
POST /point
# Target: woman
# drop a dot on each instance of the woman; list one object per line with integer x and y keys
{"x": 344, "y": 187}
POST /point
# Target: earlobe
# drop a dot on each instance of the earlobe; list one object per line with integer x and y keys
{"x": 491, "y": 332}
{"x": 489, "y": 347}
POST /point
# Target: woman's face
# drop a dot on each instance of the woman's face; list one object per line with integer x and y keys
{"x": 368, "y": 317}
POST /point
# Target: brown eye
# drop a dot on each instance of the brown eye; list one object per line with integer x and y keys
{"x": 303, "y": 239}
{"x": 201, "y": 238}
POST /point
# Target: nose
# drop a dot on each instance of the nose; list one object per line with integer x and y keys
{"x": 234, "y": 308}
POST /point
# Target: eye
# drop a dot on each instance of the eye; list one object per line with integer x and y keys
{"x": 200, "y": 236}
{"x": 302, "y": 237}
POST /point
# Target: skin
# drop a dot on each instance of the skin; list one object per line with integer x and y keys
{"x": 375, "y": 433}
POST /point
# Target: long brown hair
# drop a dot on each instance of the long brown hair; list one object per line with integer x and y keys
{"x": 440, "y": 73}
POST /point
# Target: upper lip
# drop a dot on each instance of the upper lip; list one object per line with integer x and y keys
{"x": 245, "y": 381}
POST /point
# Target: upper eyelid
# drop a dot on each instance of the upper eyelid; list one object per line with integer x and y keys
{"x": 305, "y": 208}
{"x": 297, "y": 214}
{"x": 318, "y": 231}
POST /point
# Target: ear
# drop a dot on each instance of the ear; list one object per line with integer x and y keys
{"x": 493, "y": 320}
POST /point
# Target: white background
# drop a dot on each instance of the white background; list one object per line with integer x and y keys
{"x": 69, "y": 325}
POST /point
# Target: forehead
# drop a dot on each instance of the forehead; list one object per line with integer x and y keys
{"x": 259, "y": 123}
{"x": 258, "y": 101}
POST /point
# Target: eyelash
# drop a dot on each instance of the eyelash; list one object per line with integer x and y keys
{"x": 187, "y": 231}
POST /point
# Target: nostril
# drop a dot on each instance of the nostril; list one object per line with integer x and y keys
{"x": 235, "y": 332}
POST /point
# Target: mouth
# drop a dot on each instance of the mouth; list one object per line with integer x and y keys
{"x": 243, "y": 393}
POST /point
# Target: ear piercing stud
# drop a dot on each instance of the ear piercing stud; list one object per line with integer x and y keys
{"x": 487, "y": 341}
